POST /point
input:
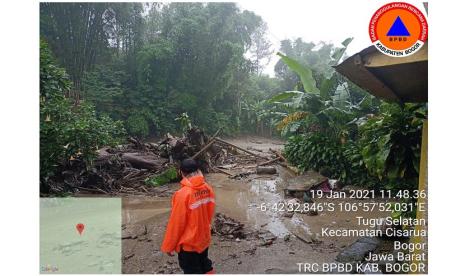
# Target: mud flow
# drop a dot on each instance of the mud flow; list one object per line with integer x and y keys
{"x": 260, "y": 239}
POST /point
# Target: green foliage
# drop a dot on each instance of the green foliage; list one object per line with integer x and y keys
{"x": 386, "y": 156}
{"x": 184, "y": 121}
{"x": 77, "y": 33}
{"x": 391, "y": 144}
{"x": 339, "y": 52}
{"x": 169, "y": 175}
{"x": 305, "y": 73}
{"x": 54, "y": 81}
{"x": 147, "y": 63}
{"x": 259, "y": 115}
{"x": 357, "y": 173}
{"x": 335, "y": 160}
{"x": 316, "y": 152}
{"x": 67, "y": 132}
{"x": 214, "y": 120}
{"x": 137, "y": 125}
{"x": 381, "y": 152}
{"x": 286, "y": 95}
{"x": 103, "y": 87}
{"x": 330, "y": 104}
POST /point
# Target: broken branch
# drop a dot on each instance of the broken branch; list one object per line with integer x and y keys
{"x": 242, "y": 149}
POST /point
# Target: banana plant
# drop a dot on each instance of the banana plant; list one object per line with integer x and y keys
{"x": 306, "y": 77}
{"x": 327, "y": 104}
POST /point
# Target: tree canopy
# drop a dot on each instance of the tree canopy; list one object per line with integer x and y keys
{"x": 147, "y": 63}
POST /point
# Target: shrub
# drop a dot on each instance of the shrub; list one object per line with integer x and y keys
{"x": 167, "y": 176}
{"x": 67, "y": 132}
{"x": 316, "y": 152}
{"x": 386, "y": 156}
{"x": 137, "y": 125}
{"x": 391, "y": 144}
{"x": 357, "y": 173}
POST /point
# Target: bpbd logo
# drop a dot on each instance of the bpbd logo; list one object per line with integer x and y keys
{"x": 398, "y": 29}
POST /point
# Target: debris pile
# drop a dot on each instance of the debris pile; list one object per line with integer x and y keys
{"x": 130, "y": 168}
{"x": 227, "y": 227}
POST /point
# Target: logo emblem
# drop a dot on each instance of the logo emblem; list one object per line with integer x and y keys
{"x": 398, "y": 29}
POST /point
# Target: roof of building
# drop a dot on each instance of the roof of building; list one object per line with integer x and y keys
{"x": 402, "y": 79}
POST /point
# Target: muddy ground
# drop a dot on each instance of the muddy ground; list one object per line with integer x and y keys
{"x": 270, "y": 245}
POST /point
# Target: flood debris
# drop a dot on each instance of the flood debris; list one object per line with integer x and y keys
{"x": 304, "y": 234}
{"x": 230, "y": 229}
{"x": 301, "y": 230}
{"x": 227, "y": 227}
{"x": 301, "y": 185}
{"x": 139, "y": 168}
{"x": 266, "y": 237}
{"x": 266, "y": 170}
{"x": 127, "y": 257}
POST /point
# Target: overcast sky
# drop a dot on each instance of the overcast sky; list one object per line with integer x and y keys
{"x": 318, "y": 20}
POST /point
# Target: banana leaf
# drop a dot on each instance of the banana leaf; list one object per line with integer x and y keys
{"x": 305, "y": 74}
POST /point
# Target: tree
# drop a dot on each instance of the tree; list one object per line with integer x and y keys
{"x": 76, "y": 34}
{"x": 146, "y": 64}
{"x": 83, "y": 34}
{"x": 67, "y": 132}
{"x": 318, "y": 57}
{"x": 261, "y": 48}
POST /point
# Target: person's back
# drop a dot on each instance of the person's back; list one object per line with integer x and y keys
{"x": 188, "y": 230}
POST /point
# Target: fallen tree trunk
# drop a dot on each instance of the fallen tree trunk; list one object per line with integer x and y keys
{"x": 269, "y": 162}
{"x": 137, "y": 143}
{"x": 239, "y": 148}
{"x": 266, "y": 170}
{"x": 143, "y": 161}
{"x": 102, "y": 156}
{"x": 222, "y": 171}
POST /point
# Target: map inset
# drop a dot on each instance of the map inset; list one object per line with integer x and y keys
{"x": 80, "y": 235}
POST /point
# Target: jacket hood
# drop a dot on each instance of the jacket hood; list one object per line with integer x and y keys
{"x": 195, "y": 181}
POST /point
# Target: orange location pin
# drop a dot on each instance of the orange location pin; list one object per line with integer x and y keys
{"x": 80, "y": 228}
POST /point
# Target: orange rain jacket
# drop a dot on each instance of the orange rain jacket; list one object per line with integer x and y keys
{"x": 192, "y": 209}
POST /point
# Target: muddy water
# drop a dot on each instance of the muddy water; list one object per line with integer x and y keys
{"x": 243, "y": 199}
{"x": 140, "y": 210}
{"x": 240, "y": 199}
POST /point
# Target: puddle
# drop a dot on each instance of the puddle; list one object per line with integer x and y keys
{"x": 144, "y": 209}
{"x": 243, "y": 200}
{"x": 251, "y": 201}
{"x": 264, "y": 191}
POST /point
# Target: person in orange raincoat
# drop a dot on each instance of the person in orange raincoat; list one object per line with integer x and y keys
{"x": 188, "y": 229}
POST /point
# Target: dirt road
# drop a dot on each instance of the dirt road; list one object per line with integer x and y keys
{"x": 270, "y": 244}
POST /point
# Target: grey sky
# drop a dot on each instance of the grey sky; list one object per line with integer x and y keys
{"x": 318, "y": 20}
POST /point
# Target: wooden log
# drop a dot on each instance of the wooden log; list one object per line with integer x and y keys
{"x": 216, "y": 133}
{"x": 212, "y": 140}
{"x": 266, "y": 170}
{"x": 278, "y": 154}
{"x": 269, "y": 162}
{"x": 222, "y": 171}
{"x": 102, "y": 156}
{"x": 203, "y": 149}
{"x": 239, "y": 148}
{"x": 136, "y": 143}
{"x": 92, "y": 190}
{"x": 142, "y": 161}
{"x": 284, "y": 163}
